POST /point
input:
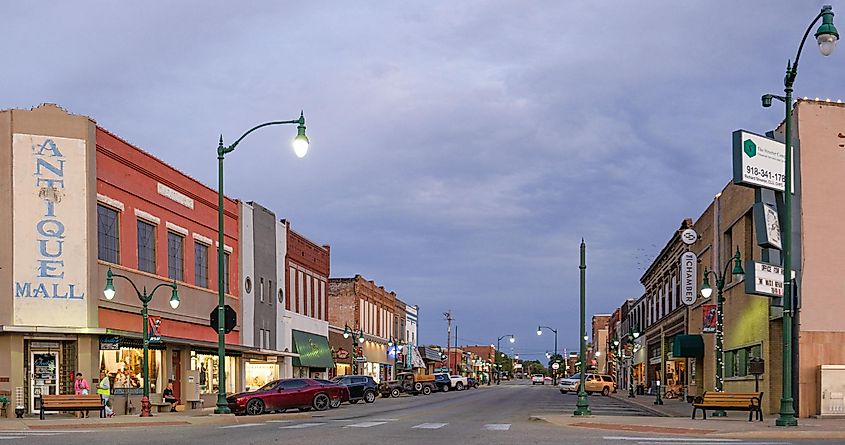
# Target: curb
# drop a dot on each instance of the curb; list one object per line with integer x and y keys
{"x": 653, "y": 411}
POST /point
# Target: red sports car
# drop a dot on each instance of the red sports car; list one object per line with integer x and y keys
{"x": 280, "y": 395}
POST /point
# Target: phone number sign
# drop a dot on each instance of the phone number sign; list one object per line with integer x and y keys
{"x": 758, "y": 161}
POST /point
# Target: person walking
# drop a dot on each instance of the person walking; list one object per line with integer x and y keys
{"x": 81, "y": 388}
{"x": 104, "y": 390}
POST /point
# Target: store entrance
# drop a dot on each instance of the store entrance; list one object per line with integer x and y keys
{"x": 45, "y": 376}
{"x": 176, "y": 374}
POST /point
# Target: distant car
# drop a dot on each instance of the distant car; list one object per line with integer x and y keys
{"x": 280, "y": 395}
{"x": 442, "y": 382}
{"x": 361, "y": 387}
{"x": 547, "y": 379}
{"x": 472, "y": 382}
{"x": 458, "y": 382}
{"x": 538, "y": 378}
{"x": 602, "y": 383}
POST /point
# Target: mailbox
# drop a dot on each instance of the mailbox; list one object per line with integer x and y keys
{"x": 756, "y": 366}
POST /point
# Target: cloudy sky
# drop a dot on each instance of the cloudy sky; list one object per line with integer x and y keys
{"x": 460, "y": 150}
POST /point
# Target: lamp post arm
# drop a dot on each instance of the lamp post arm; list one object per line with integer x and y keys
{"x": 792, "y": 71}
{"x": 170, "y": 285}
{"x": 114, "y": 275}
{"x": 221, "y": 149}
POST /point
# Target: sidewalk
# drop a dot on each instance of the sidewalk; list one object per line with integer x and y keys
{"x": 735, "y": 426}
{"x": 203, "y": 416}
{"x": 670, "y": 407}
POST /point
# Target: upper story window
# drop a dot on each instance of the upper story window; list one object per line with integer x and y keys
{"x": 146, "y": 247}
{"x": 200, "y": 264}
{"x": 226, "y": 273}
{"x": 175, "y": 256}
{"x": 108, "y": 234}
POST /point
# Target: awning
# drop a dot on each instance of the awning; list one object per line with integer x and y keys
{"x": 416, "y": 360}
{"x": 115, "y": 342}
{"x": 313, "y": 349}
{"x": 688, "y": 346}
{"x": 430, "y": 354}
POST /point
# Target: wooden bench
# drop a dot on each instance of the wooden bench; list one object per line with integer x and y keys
{"x": 72, "y": 403}
{"x": 729, "y": 401}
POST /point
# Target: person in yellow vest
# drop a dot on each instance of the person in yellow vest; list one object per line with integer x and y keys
{"x": 104, "y": 390}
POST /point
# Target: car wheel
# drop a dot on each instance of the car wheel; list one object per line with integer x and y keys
{"x": 426, "y": 390}
{"x": 589, "y": 393}
{"x": 445, "y": 388}
{"x": 321, "y": 402}
{"x": 563, "y": 391}
{"x": 369, "y": 397}
{"x": 353, "y": 401}
{"x": 418, "y": 386}
{"x": 335, "y": 403}
{"x": 255, "y": 407}
{"x": 605, "y": 391}
{"x": 460, "y": 386}
{"x": 394, "y": 392}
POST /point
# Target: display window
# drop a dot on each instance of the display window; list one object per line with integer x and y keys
{"x": 124, "y": 366}
{"x": 207, "y": 367}
{"x": 259, "y": 374}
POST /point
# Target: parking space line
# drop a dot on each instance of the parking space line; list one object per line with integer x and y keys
{"x": 430, "y": 426}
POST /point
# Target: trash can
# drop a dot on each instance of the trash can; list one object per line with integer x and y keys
{"x": 640, "y": 389}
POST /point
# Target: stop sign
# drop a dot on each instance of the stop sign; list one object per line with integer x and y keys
{"x": 229, "y": 322}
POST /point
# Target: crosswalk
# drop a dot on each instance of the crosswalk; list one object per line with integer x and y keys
{"x": 641, "y": 440}
{"x": 14, "y": 435}
{"x": 360, "y": 423}
{"x": 600, "y": 406}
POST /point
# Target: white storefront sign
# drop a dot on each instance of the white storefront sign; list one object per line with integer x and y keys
{"x": 758, "y": 161}
{"x": 763, "y": 279}
{"x": 50, "y": 223}
{"x": 689, "y": 275}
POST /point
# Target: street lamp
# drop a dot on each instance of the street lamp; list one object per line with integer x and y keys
{"x": 300, "y": 147}
{"x": 540, "y": 332}
{"x": 498, "y": 344}
{"x": 582, "y": 407}
{"x": 706, "y": 291}
{"x": 145, "y": 297}
{"x": 628, "y": 340}
{"x": 826, "y": 37}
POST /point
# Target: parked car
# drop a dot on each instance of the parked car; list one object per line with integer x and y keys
{"x": 409, "y": 383}
{"x": 361, "y": 387}
{"x": 538, "y": 378}
{"x": 548, "y": 380}
{"x": 472, "y": 382}
{"x": 602, "y": 383}
{"x": 458, "y": 382}
{"x": 442, "y": 382}
{"x": 280, "y": 395}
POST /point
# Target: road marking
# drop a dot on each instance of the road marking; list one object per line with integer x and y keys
{"x": 685, "y": 442}
{"x": 385, "y": 420}
{"x": 497, "y": 427}
{"x": 430, "y": 426}
{"x": 364, "y": 424}
{"x": 242, "y": 425}
{"x": 302, "y": 425}
{"x": 279, "y": 421}
{"x": 670, "y": 439}
{"x": 11, "y": 437}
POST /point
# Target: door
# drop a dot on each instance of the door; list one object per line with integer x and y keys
{"x": 45, "y": 376}
{"x": 290, "y": 394}
{"x": 176, "y": 375}
{"x": 356, "y": 387}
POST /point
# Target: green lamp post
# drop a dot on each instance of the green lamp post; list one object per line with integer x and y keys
{"x": 357, "y": 338}
{"x": 582, "y": 408}
{"x": 145, "y": 297}
{"x": 300, "y": 147}
{"x": 498, "y": 346}
{"x": 826, "y": 37}
{"x": 706, "y": 291}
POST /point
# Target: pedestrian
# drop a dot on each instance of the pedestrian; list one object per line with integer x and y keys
{"x": 81, "y": 388}
{"x": 104, "y": 390}
{"x": 169, "y": 397}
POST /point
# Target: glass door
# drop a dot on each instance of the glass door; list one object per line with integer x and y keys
{"x": 45, "y": 376}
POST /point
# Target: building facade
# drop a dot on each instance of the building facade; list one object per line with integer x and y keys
{"x": 76, "y": 201}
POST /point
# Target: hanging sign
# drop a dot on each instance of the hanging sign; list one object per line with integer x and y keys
{"x": 689, "y": 236}
{"x": 708, "y": 322}
{"x": 763, "y": 279}
{"x": 768, "y": 223}
{"x": 689, "y": 275}
{"x": 758, "y": 161}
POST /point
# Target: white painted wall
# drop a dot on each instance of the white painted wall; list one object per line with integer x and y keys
{"x": 283, "y": 335}
{"x": 247, "y": 269}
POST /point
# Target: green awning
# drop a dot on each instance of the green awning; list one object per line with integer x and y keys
{"x": 688, "y": 346}
{"x": 313, "y": 350}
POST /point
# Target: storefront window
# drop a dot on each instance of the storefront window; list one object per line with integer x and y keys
{"x": 125, "y": 368}
{"x": 259, "y": 374}
{"x": 208, "y": 373}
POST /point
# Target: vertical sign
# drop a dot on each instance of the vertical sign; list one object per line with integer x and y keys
{"x": 50, "y": 223}
{"x": 758, "y": 161}
{"x": 689, "y": 275}
{"x": 708, "y": 322}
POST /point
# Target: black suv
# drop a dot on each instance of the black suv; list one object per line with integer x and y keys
{"x": 442, "y": 382}
{"x": 361, "y": 387}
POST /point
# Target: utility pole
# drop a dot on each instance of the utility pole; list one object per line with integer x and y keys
{"x": 457, "y": 360}
{"x": 448, "y": 315}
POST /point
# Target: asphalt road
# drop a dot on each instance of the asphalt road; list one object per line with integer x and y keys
{"x": 490, "y": 415}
